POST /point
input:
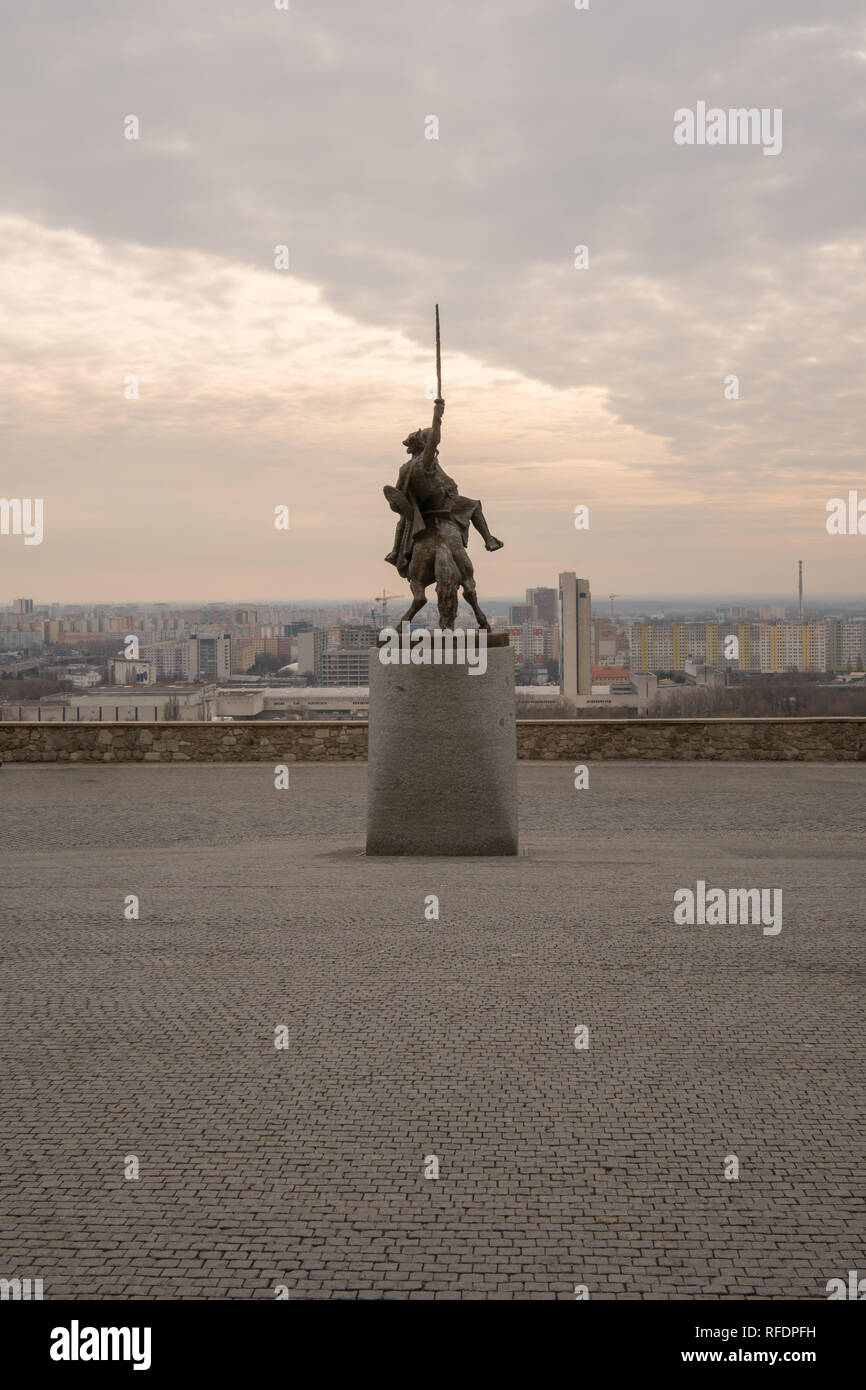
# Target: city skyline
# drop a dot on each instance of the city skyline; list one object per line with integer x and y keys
{"x": 691, "y": 600}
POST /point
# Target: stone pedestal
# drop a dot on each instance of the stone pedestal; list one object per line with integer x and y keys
{"x": 442, "y": 759}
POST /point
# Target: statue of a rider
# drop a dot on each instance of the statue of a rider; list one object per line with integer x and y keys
{"x": 425, "y": 494}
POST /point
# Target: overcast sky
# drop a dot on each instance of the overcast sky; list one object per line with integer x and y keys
{"x": 260, "y": 387}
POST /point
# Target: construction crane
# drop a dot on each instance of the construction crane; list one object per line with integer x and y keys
{"x": 612, "y": 597}
{"x": 383, "y": 600}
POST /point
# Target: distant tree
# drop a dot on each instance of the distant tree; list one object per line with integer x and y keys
{"x": 266, "y": 661}
{"x": 28, "y": 687}
{"x": 100, "y": 653}
{"x": 774, "y": 695}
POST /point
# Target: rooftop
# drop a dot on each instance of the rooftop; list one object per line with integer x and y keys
{"x": 410, "y": 1037}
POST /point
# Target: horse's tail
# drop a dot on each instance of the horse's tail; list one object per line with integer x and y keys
{"x": 447, "y": 579}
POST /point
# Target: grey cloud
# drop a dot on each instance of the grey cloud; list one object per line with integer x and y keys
{"x": 261, "y": 127}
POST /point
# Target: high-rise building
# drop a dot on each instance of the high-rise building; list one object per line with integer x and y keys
{"x": 575, "y": 625}
{"x": 358, "y": 637}
{"x": 243, "y": 655}
{"x": 312, "y": 648}
{"x": 171, "y": 661}
{"x": 846, "y": 644}
{"x": 804, "y": 646}
{"x": 604, "y": 641}
{"x": 544, "y": 603}
{"x": 214, "y": 655}
{"x": 519, "y": 613}
{"x": 528, "y": 643}
{"x": 663, "y": 646}
{"x": 22, "y": 605}
{"x": 346, "y": 666}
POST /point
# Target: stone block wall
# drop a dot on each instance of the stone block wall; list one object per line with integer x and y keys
{"x": 562, "y": 740}
{"x": 185, "y": 741}
{"x": 727, "y": 740}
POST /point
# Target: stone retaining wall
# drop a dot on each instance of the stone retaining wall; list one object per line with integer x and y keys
{"x": 729, "y": 740}
{"x": 801, "y": 740}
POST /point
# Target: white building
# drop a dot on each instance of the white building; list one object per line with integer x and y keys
{"x": 335, "y": 702}
{"x": 111, "y": 704}
{"x": 124, "y": 672}
{"x": 84, "y": 679}
{"x": 172, "y": 661}
{"x": 637, "y": 693}
{"x": 203, "y": 656}
{"x": 575, "y": 626}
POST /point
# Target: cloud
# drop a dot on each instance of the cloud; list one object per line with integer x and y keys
{"x": 252, "y": 393}
{"x": 260, "y": 127}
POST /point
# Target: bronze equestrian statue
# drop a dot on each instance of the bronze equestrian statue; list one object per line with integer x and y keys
{"x": 433, "y": 530}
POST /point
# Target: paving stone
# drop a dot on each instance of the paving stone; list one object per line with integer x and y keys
{"x": 410, "y": 1037}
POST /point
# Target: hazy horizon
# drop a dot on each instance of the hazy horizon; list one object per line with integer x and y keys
{"x": 621, "y": 600}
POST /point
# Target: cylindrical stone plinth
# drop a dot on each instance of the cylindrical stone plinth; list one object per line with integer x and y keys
{"x": 442, "y": 758}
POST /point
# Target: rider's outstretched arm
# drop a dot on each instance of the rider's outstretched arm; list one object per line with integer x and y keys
{"x": 428, "y": 457}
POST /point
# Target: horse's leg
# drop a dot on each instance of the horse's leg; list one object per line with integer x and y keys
{"x": 447, "y": 572}
{"x": 471, "y": 597}
{"x": 419, "y": 598}
{"x": 415, "y": 606}
{"x": 467, "y": 579}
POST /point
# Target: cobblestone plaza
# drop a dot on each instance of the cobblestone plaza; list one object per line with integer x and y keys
{"x": 304, "y": 1166}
